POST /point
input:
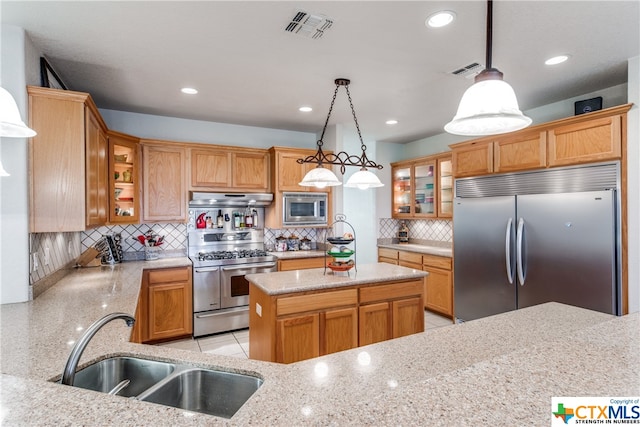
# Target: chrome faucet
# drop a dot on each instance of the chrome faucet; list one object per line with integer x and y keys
{"x": 69, "y": 372}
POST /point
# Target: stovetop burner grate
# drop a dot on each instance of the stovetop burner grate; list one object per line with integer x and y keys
{"x": 243, "y": 253}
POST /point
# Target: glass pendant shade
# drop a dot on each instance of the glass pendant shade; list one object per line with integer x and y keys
{"x": 488, "y": 107}
{"x": 11, "y": 124}
{"x": 363, "y": 179}
{"x": 320, "y": 177}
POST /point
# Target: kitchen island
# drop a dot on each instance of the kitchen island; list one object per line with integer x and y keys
{"x": 500, "y": 370}
{"x": 301, "y": 314}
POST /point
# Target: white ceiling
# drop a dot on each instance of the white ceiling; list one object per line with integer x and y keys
{"x": 135, "y": 56}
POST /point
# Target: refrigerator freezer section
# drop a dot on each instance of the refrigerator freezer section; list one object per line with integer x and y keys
{"x": 566, "y": 250}
{"x": 484, "y": 265}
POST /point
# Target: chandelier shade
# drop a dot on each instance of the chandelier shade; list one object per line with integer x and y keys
{"x": 11, "y": 124}
{"x": 320, "y": 177}
{"x": 363, "y": 179}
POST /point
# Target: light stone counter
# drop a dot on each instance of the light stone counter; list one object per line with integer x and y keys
{"x": 297, "y": 254}
{"x": 431, "y": 248}
{"x": 498, "y": 371}
{"x": 284, "y": 282}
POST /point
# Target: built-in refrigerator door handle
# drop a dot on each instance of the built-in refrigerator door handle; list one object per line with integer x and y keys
{"x": 507, "y": 251}
{"x": 519, "y": 265}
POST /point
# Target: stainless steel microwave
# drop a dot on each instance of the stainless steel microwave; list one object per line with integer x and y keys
{"x": 304, "y": 209}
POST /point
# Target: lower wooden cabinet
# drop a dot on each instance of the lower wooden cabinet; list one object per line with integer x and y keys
{"x": 438, "y": 285}
{"x": 390, "y": 311}
{"x": 290, "y": 328}
{"x": 375, "y": 323}
{"x": 298, "y": 338}
{"x": 300, "y": 263}
{"x": 165, "y": 307}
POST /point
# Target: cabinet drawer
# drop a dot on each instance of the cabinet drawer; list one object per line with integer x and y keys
{"x": 319, "y": 301}
{"x": 391, "y": 291}
{"x": 387, "y": 253}
{"x": 412, "y": 257}
{"x": 169, "y": 275}
{"x": 300, "y": 264}
{"x": 436, "y": 261}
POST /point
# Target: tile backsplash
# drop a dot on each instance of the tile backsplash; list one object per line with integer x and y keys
{"x": 420, "y": 229}
{"x": 56, "y": 252}
{"x": 175, "y": 238}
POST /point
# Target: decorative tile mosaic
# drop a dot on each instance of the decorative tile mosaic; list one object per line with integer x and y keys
{"x": 175, "y": 237}
{"x": 62, "y": 248}
{"x": 313, "y": 234}
{"x": 422, "y": 229}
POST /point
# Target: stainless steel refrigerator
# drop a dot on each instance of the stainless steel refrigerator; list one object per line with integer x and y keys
{"x": 527, "y": 238}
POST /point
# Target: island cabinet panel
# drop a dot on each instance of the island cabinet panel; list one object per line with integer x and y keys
{"x": 408, "y": 316}
{"x": 165, "y": 308}
{"x": 589, "y": 141}
{"x": 292, "y": 327}
{"x": 164, "y": 183}
{"x": 473, "y": 159}
{"x": 375, "y": 323}
{"x": 300, "y": 263}
{"x": 520, "y": 152}
{"x": 298, "y": 338}
{"x": 340, "y": 331}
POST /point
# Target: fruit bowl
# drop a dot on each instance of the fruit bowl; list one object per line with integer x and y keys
{"x": 341, "y": 254}
{"x": 339, "y": 240}
{"x": 339, "y": 267}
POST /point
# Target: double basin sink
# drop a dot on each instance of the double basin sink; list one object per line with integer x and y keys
{"x": 182, "y": 386}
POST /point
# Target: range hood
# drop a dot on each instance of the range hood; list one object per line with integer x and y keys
{"x": 199, "y": 199}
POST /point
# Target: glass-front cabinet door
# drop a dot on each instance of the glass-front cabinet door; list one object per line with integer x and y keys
{"x": 445, "y": 188}
{"x": 424, "y": 183}
{"x": 124, "y": 206}
{"x": 402, "y": 192}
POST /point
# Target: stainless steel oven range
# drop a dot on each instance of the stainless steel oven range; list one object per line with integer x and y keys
{"x": 221, "y": 258}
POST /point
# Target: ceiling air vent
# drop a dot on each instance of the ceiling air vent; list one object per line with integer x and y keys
{"x": 468, "y": 71}
{"x": 308, "y": 25}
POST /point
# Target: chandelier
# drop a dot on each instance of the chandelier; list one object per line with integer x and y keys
{"x": 321, "y": 177}
{"x": 490, "y": 106}
{"x": 11, "y": 124}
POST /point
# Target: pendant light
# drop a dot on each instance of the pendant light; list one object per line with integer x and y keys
{"x": 490, "y": 106}
{"x": 11, "y": 124}
{"x": 321, "y": 177}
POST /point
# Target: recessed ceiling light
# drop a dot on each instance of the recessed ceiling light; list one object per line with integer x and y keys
{"x": 305, "y": 109}
{"x": 189, "y": 90}
{"x": 440, "y": 19}
{"x": 556, "y": 60}
{"x": 391, "y": 122}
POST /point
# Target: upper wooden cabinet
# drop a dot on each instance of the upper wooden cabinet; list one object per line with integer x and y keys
{"x": 590, "y": 137}
{"x": 593, "y": 140}
{"x": 285, "y": 177}
{"x": 416, "y": 187}
{"x": 67, "y": 162}
{"x": 525, "y": 150}
{"x": 124, "y": 178}
{"x": 474, "y": 158}
{"x": 229, "y": 169}
{"x": 288, "y": 172}
{"x": 164, "y": 182}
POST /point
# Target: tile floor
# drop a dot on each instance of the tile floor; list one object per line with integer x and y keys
{"x": 236, "y": 343}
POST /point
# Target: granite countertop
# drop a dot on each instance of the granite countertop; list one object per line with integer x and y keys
{"x": 428, "y": 247}
{"x": 297, "y": 254}
{"x": 284, "y": 282}
{"x": 500, "y": 370}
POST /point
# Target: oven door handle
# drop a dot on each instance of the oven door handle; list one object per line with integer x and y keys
{"x": 206, "y": 269}
{"x": 246, "y": 266}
